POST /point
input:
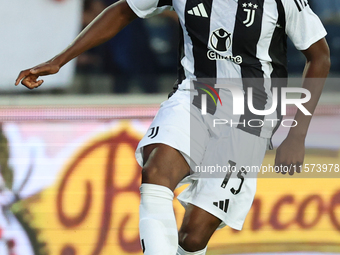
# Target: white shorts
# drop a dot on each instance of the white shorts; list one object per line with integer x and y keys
{"x": 171, "y": 126}
{"x": 223, "y": 160}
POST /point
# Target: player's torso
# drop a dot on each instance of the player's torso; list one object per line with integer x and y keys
{"x": 234, "y": 39}
{"x": 221, "y": 37}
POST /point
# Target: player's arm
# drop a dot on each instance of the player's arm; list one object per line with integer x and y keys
{"x": 292, "y": 149}
{"x": 101, "y": 29}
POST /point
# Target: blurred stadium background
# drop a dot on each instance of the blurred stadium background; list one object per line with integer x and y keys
{"x": 69, "y": 182}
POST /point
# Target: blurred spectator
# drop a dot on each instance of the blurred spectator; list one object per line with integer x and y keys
{"x": 92, "y": 60}
{"x": 130, "y": 59}
{"x": 137, "y": 56}
{"x": 327, "y": 10}
{"x": 329, "y": 13}
{"x": 147, "y": 49}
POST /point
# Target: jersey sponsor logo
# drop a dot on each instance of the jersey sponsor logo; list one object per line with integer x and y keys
{"x": 220, "y": 41}
{"x": 199, "y": 11}
{"x": 250, "y": 9}
{"x": 212, "y": 55}
{"x": 154, "y": 132}
{"x": 301, "y": 4}
{"x": 223, "y": 205}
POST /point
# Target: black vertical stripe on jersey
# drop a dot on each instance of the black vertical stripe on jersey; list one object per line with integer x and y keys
{"x": 180, "y": 55}
{"x": 180, "y": 69}
{"x": 278, "y": 54}
{"x": 198, "y": 29}
{"x": 164, "y": 3}
{"x": 245, "y": 42}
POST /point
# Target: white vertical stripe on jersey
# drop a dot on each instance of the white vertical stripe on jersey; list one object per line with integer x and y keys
{"x": 269, "y": 21}
{"x": 226, "y": 68}
{"x": 188, "y": 59}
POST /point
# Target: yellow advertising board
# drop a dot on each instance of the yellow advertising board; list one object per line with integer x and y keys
{"x": 92, "y": 207}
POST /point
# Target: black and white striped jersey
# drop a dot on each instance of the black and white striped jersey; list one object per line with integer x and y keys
{"x": 241, "y": 39}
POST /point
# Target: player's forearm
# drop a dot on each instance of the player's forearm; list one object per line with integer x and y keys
{"x": 315, "y": 73}
{"x": 107, "y": 24}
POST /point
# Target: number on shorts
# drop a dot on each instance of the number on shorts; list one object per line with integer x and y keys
{"x": 232, "y": 166}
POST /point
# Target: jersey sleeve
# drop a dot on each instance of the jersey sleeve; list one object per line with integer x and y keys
{"x": 149, "y": 8}
{"x": 303, "y": 26}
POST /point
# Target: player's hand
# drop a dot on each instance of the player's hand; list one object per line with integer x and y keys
{"x": 29, "y": 77}
{"x": 290, "y": 155}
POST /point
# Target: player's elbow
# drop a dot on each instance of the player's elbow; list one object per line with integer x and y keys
{"x": 324, "y": 58}
{"x": 324, "y": 62}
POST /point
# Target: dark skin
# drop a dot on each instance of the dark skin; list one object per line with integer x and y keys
{"x": 292, "y": 149}
{"x": 112, "y": 20}
{"x": 163, "y": 165}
